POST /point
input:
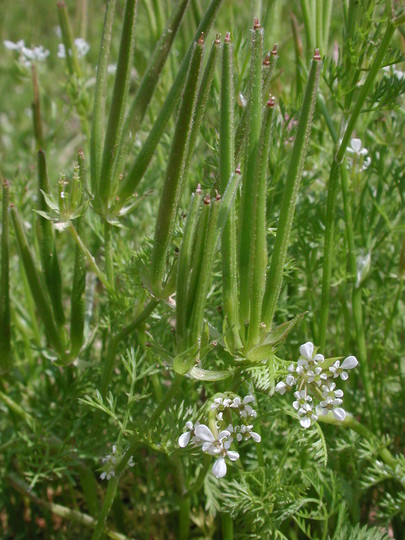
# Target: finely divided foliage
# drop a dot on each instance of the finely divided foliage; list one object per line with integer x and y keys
{"x": 196, "y": 219}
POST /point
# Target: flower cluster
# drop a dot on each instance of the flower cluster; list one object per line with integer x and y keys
{"x": 110, "y": 461}
{"x": 313, "y": 380}
{"x": 25, "y": 55}
{"x": 81, "y": 48}
{"x": 218, "y": 440}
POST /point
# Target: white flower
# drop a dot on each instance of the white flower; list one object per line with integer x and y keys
{"x": 61, "y": 51}
{"x": 26, "y": 55}
{"x": 211, "y": 445}
{"x": 357, "y": 149}
{"x": 248, "y": 433}
{"x": 339, "y": 370}
{"x": 329, "y": 392}
{"x": 110, "y": 459}
{"x": 307, "y": 353}
{"x": 307, "y": 415}
{"x": 301, "y": 398}
{"x": 82, "y": 47}
{"x": 243, "y": 406}
{"x": 217, "y": 447}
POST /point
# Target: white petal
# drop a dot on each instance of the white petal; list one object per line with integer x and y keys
{"x": 103, "y": 475}
{"x": 233, "y": 456}
{"x": 344, "y": 376}
{"x": 248, "y": 409}
{"x": 184, "y": 439}
{"x": 11, "y": 46}
{"x": 356, "y": 145}
{"x": 204, "y": 433}
{"x": 350, "y": 362}
{"x": 305, "y": 422}
{"x": 319, "y": 358}
{"x": 248, "y": 399}
{"x": 281, "y": 387}
{"x": 339, "y": 413}
{"x": 219, "y": 468}
{"x": 189, "y": 425}
{"x": 255, "y": 436}
{"x": 339, "y": 393}
{"x": 290, "y": 380}
{"x": 307, "y": 350}
{"x": 224, "y": 434}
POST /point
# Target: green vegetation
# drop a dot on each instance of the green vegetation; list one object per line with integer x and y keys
{"x": 202, "y": 241}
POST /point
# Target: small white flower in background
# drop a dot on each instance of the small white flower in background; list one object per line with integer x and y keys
{"x": 26, "y": 55}
{"x": 81, "y": 46}
{"x": 316, "y": 393}
{"x": 395, "y": 72}
{"x": 247, "y": 433}
{"x": 360, "y": 153}
{"x": 110, "y": 461}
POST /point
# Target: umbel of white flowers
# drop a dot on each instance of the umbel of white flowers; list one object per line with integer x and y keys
{"x": 110, "y": 461}
{"x": 313, "y": 380}
{"x": 26, "y": 55}
{"x": 217, "y": 442}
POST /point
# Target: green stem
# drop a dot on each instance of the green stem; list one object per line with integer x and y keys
{"x": 183, "y": 271}
{"x": 135, "y": 175}
{"x": 36, "y": 110}
{"x": 173, "y": 183}
{"x": 230, "y": 292}
{"x": 258, "y": 250}
{"x": 275, "y": 276}
{"x": 248, "y": 196}
{"x": 5, "y": 324}
{"x": 97, "y": 131}
{"x": 77, "y": 302}
{"x": 67, "y": 38}
{"x": 90, "y": 259}
{"x": 108, "y": 253}
{"x": 118, "y": 102}
{"x": 357, "y": 301}
{"x": 148, "y": 84}
{"x": 205, "y": 276}
{"x": 227, "y": 527}
{"x": 306, "y": 15}
{"x": 37, "y": 290}
{"x": 47, "y": 247}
